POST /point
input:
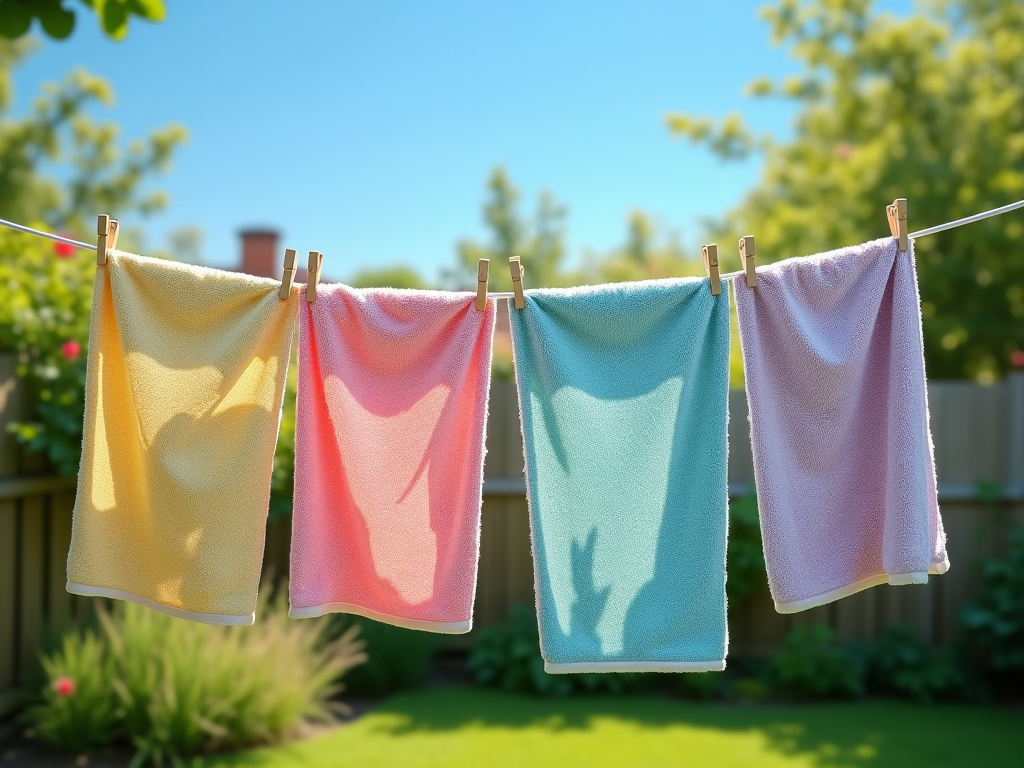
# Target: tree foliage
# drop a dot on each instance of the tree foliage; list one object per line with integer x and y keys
{"x": 47, "y": 287}
{"x": 98, "y": 173}
{"x": 387, "y": 277}
{"x": 58, "y": 21}
{"x": 929, "y": 107}
{"x": 647, "y": 253}
{"x": 540, "y": 242}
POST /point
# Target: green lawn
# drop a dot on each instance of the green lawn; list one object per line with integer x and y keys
{"x": 470, "y": 727}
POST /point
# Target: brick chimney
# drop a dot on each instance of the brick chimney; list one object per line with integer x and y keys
{"x": 260, "y": 255}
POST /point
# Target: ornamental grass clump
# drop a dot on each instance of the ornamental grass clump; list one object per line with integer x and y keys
{"x": 175, "y": 689}
{"x": 77, "y": 712}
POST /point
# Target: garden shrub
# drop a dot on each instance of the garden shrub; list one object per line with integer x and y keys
{"x": 703, "y": 686}
{"x": 44, "y": 323}
{"x": 78, "y": 711}
{"x": 179, "y": 688}
{"x": 993, "y": 625}
{"x": 810, "y": 666}
{"x": 507, "y": 656}
{"x": 745, "y": 568}
{"x": 900, "y": 663}
{"x": 398, "y": 658}
{"x": 750, "y": 689}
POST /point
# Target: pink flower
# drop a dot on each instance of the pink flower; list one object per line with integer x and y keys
{"x": 64, "y": 687}
{"x": 1017, "y": 358}
{"x": 64, "y": 250}
{"x": 71, "y": 349}
{"x": 843, "y": 150}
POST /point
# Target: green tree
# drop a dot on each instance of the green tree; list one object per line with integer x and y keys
{"x": 646, "y": 254}
{"x": 387, "y": 277}
{"x": 99, "y": 174}
{"x": 540, "y": 242}
{"x": 45, "y": 288}
{"x": 929, "y": 107}
{"x": 58, "y": 22}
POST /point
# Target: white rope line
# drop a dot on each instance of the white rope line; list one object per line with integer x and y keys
{"x": 967, "y": 220}
{"x": 47, "y": 235}
{"x": 510, "y": 294}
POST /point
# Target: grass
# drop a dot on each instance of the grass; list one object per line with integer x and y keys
{"x": 480, "y": 728}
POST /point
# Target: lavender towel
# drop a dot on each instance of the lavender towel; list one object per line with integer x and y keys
{"x": 839, "y": 424}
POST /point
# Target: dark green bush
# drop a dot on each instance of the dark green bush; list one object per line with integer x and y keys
{"x": 745, "y": 568}
{"x": 900, "y": 663}
{"x": 703, "y": 686}
{"x": 993, "y": 625}
{"x": 398, "y": 658}
{"x": 812, "y": 667}
{"x": 507, "y": 656}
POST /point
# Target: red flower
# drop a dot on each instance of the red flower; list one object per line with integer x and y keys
{"x": 64, "y": 250}
{"x": 71, "y": 349}
{"x": 1017, "y": 358}
{"x": 64, "y": 687}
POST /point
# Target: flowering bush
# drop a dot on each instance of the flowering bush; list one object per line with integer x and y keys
{"x": 77, "y": 711}
{"x": 44, "y": 322}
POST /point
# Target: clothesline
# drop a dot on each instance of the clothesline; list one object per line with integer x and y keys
{"x": 509, "y": 294}
{"x": 389, "y": 451}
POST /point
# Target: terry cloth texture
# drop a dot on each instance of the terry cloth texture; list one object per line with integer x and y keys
{"x": 623, "y": 395}
{"x": 839, "y": 424}
{"x": 389, "y": 449}
{"x": 182, "y": 405}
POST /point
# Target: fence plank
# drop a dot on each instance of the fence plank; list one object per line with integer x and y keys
{"x": 33, "y": 594}
{"x": 8, "y": 598}
{"x": 741, "y": 461}
{"x": 970, "y": 425}
{"x": 60, "y": 542}
{"x": 496, "y": 439}
{"x": 277, "y": 549}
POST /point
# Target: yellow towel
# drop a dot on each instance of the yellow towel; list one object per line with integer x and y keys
{"x": 182, "y": 407}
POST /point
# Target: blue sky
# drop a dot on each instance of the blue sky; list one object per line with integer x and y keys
{"x": 367, "y": 130}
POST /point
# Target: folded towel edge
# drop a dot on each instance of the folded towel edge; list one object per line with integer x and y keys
{"x": 568, "y": 668}
{"x": 893, "y": 579}
{"x": 226, "y": 620}
{"x": 440, "y": 627}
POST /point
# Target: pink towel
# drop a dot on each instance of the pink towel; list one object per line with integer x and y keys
{"x": 839, "y": 424}
{"x": 389, "y": 445}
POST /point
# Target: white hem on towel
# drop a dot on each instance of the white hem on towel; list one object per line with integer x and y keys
{"x": 894, "y": 579}
{"x": 633, "y": 666}
{"x": 222, "y": 619}
{"x": 442, "y": 627}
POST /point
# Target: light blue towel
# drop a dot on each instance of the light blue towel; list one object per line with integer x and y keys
{"x": 623, "y": 395}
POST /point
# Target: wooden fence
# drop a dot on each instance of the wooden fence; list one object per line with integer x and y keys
{"x": 979, "y": 441}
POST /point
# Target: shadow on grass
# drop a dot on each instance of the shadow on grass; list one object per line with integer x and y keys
{"x": 466, "y": 726}
{"x": 878, "y": 734}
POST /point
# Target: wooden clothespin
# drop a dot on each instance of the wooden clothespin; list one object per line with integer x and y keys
{"x": 316, "y": 263}
{"x": 710, "y": 254}
{"x": 897, "y": 215}
{"x": 747, "y": 254}
{"x": 106, "y": 236}
{"x": 482, "y": 266}
{"x": 517, "y": 270}
{"x": 289, "y": 274}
